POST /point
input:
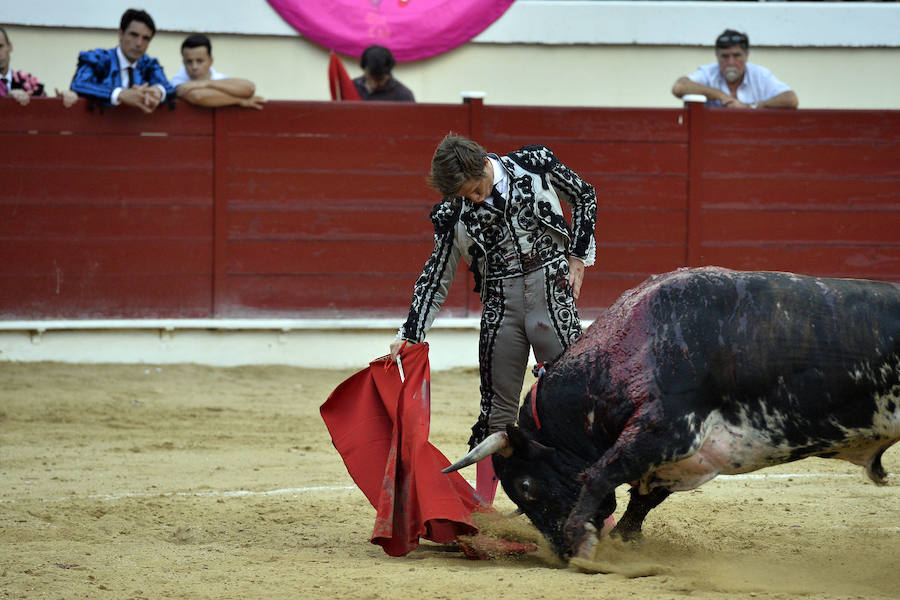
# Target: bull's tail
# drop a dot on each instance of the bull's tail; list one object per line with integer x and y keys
{"x": 874, "y": 469}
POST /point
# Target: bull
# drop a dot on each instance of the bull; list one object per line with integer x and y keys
{"x": 696, "y": 373}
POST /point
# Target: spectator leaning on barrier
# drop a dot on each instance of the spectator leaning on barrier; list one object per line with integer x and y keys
{"x": 125, "y": 74}
{"x": 733, "y": 82}
{"x": 377, "y": 82}
{"x": 21, "y": 85}
{"x": 199, "y": 83}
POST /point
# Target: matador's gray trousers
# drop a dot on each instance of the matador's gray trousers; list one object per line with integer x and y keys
{"x": 535, "y": 310}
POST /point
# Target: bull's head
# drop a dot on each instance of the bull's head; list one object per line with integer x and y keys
{"x": 543, "y": 482}
{"x": 571, "y": 417}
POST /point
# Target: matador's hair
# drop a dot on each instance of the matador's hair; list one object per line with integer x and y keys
{"x": 456, "y": 160}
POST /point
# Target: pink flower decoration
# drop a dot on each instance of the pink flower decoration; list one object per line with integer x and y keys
{"x": 29, "y": 82}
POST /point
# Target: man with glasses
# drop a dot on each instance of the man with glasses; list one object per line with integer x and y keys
{"x": 733, "y": 82}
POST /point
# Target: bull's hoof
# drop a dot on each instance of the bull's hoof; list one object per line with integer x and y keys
{"x": 586, "y": 537}
{"x": 585, "y": 547}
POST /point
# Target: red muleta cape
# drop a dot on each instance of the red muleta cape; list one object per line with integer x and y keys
{"x": 339, "y": 81}
{"x": 380, "y": 428}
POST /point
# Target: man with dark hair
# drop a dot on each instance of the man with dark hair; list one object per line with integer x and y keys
{"x": 199, "y": 83}
{"x": 502, "y": 215}
{"x": 19, "y": 85}
{"x": 377, "y": 82}
{"x": 733, "y": 82}
{"x": 124, "y": 74}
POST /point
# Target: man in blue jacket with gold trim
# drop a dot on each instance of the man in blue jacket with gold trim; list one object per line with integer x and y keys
{"x": 124, "y": 74}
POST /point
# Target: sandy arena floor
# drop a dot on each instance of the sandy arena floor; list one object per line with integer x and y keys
{"x": 136, "y": 481}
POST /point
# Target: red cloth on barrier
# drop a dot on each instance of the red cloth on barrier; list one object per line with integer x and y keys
{"x": 339, "y": 81}
{"x": 380, "y": 428}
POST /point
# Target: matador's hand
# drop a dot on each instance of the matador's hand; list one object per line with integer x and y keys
{"x": 397, "y": 346}
{"x": 576, "y": 275}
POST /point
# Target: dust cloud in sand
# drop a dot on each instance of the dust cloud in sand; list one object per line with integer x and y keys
{"x": 183, "y": 481}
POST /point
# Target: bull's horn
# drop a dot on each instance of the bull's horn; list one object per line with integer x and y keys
{"x": 491, "y": 445}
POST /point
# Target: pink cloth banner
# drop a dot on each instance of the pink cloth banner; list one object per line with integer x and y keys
{"x": 411, "y": 29}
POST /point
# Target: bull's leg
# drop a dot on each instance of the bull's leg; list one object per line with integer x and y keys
{"x": 629, "y": 526}
{"x": 645, "y": 444}
{"x": 588, "y": 534}
{"x": 586, "y": 521}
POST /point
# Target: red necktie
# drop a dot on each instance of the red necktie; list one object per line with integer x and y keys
{"x": 3, "y": 89}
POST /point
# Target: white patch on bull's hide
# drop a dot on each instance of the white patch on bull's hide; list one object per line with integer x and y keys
{"x": 863, "y": 444}
{"x": 722, "y": 449}
{"x": 881, "y": 375}
{"x": 886, "y": 421}
{"x": 590, "y": 418}
{"x": 728, "y": 449}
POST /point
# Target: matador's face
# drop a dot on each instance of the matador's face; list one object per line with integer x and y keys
{"x": 134, "y": 40}
{"x": 477, "y": 190}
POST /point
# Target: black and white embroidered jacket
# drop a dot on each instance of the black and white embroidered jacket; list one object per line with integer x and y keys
{"x": 533, "y": 219}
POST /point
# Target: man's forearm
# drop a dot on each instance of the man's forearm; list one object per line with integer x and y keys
{"x": 685, "y": 85}
{"x": 786, "y": 99}
{"x": 233, "y": 86}
{"x": 210, "y": 98}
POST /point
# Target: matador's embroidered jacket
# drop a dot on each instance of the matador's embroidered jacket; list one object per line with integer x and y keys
{"x": 524, "y": 234}
{"x": 98, "y": 74}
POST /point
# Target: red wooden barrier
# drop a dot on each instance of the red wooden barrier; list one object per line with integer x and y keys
{"x": 816, "y": 192}
{"x": 328, "y": 208}
{"x": 320, "y": 209}
{"x": 104, "y": 215}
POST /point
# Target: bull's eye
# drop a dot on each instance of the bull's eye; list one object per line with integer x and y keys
{"x": 526, "y": 488}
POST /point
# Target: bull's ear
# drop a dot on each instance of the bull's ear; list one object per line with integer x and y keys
{"x": 517, "y": 440}
{"x": 525, "y": 447}
{"x": 540, "y": 451}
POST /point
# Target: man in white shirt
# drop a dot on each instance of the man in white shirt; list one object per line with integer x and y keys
{"x": 733, "y": 82}
{"x": 198, "y": 82}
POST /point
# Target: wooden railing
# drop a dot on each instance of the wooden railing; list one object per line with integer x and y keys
{"x": 314, "y": 209}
